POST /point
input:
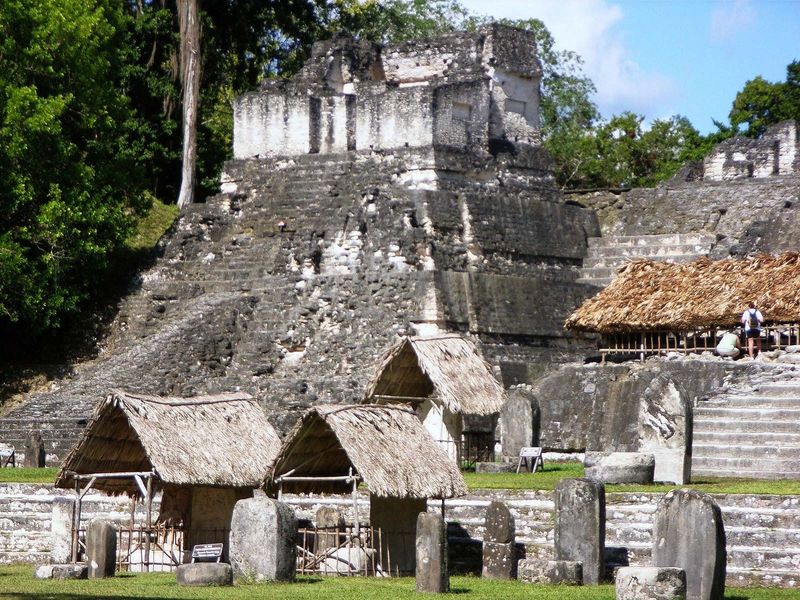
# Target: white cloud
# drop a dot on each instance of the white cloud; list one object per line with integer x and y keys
{"x": 731, "y": 18}
{"x": 592, "y": 28}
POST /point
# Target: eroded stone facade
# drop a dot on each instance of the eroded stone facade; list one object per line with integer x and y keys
{"x": 292, "y": 282}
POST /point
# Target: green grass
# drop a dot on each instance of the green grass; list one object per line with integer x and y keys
{"x": 547, "y": 479}
{"x": 18, "y": 582}
{"x": 542, "y": 480}
{"x": 46, "y": 475}
{"x": 152, "y": 226}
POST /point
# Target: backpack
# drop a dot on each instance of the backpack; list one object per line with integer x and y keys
{"x": 752, "y": 320}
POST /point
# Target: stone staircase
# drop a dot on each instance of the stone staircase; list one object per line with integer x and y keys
{"x": 762, "y": 536}
{"x": 605, "y": 255}
{"x": 750, "y": 432}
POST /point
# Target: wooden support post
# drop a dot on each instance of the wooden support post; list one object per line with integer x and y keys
{"x": 76, "y": 521}
{"x": 355, "y": 501}
{"x": 148, "y": 523}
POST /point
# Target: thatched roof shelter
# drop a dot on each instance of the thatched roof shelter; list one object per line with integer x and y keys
{"x": 386, "y": 445}
{"x": 222, "y": 440}
{"x": 447, "y": 367}
{"x": 659, "y": 296}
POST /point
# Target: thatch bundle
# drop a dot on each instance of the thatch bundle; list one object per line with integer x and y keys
{"x": 447, "y": 367}
{"x": 223, "y": 440}
{"x": 386, "y": 445}
{"x": 661, "y": 296}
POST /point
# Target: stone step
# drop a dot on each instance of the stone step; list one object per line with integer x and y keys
{"x": 757, "y": 401}
{"x": 36, "y": 558}
{"x": 602, "y": 273}
{"x": 745, "y": 451}
{"x": 763, "y": 578}
{"x": 748, "y": 413}
{"x": 747, "y": 438}
{"x": 596, "y": 263}
{"x": 780, "y": 388}
{"x": 654, "y": 251}
{"x": 752, "y": 468}
{"x": 594, "y": 281}
{"x": 733, "y": 425}
{"x": 648, "y": 240}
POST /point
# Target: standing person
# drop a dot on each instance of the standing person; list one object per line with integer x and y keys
{"x": 752, "y": 320}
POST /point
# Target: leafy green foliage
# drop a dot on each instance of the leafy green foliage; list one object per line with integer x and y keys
{"x": 67, "y": 179}
{"x": 762, "y": 103}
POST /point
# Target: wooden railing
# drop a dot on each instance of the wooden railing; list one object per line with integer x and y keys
{"x": 642, "y": 344}
{"x": 342, "y": 551}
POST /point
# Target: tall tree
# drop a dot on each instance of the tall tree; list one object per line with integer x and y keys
{"x": 189, "y": 19}
{"x": 68, "y": 181}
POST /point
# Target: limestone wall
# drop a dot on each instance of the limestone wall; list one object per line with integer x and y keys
{"x": 763, "y": 532}
{"x": 628, "y": 407}
{"x": 747, "y": 215}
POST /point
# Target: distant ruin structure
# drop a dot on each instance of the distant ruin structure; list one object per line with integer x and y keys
{"x": 775, "y": 153}
{"x": 467, "y": 90}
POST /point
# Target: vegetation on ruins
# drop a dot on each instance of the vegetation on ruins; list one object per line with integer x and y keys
{"x": 762, "y": 103}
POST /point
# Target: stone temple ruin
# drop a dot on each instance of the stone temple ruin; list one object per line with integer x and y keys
{"x": 379, "y": 192}
{"x": 401, "y": 190}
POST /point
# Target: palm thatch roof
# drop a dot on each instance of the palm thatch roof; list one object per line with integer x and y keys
{"x": 660, "y": 296}
{"x": 447, "y": 367}
{"x": 386, "y": 445}
{"x": 223, "y": 440}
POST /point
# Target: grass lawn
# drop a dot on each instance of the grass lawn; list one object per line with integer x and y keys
{"x": 18, "y": 582}
{"x": 542, "y": 480}
{"x": 47, "y": 475}
{"x": 547, "y": 479}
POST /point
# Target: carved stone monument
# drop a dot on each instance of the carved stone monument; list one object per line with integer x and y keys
{"x": 432, "y": 573}
{"x": 688, "y": 533}
{"x": 580, "y": 531}
{"x": 263, "y": 540}
{"x": 499, "y": 550}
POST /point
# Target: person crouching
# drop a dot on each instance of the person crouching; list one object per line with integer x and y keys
{"x": 729, "y": 345}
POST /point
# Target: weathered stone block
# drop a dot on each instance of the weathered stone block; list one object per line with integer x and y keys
{"x": 205, "y": 574}
{"x": 495, "y": 467}
{"x": 688, "y": 533}
{"x": 650, "y": 583}
{"x": 520, "y": 422}
{"x": 580, "y": 530}
{"x": 620, "y": 467}
{"x": 62, "y": 571}
{"x": 499, "y": 560}
{"x": 673, "y": 465}
{"x": 34, "y": 450}
{"x": 534, "y": 570}
{"x": 101, "y": 548}
{"x": 61, "y": 529}
{"x": 262, "y": 540}
{"x": 432, "y": 574}
{"x": 330, "y": 526}
{"x": 499, "y": 523}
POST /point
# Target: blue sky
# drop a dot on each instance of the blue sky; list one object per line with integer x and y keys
{"x": 665, "y": 57}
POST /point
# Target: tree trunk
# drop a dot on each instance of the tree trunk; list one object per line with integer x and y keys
{"x": 189, "y": 19}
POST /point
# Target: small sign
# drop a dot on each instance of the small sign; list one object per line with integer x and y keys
{"x": 532, "y": 454}
{"x": 207, "y": 552}
{"x": 8, "y": 455}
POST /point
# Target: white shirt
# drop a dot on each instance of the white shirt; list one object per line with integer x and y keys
{"x": 746, "y": 318}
